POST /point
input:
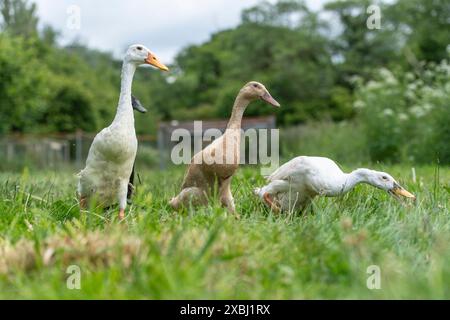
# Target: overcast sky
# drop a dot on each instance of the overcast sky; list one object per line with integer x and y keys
{"x": 165, "y": 26}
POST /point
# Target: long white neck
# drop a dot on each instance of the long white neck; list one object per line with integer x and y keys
{"x": 124, "y": 108}
{"x": 350, "y": 180}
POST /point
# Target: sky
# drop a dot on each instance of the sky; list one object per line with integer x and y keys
{"x": 164, "y": 26}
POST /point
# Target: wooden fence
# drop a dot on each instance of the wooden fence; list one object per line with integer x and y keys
{"x": 52, "y": 150}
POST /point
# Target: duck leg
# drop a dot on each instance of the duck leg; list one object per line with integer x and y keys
{"x": 83, "y": 203}
{"x": 122, "y": 197}
{"x": 269, "y": 201}
{"x": 273, "y": 188}
{"x": 193, "y": 195}
{"x": 226, "y": 198}
{"x": 131, "y": 188}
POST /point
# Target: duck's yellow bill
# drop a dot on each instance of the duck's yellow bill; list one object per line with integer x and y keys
{"x": 404, "y": 193}
{"x": 154, "y": 61}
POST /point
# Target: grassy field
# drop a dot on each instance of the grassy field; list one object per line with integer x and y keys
{"x": 206, "y": 253}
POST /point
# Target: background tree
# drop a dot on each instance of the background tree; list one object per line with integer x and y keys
{"x": 18, "y": 17}
{"x": 357, "y": 49}
{"x": 310, "y": 61}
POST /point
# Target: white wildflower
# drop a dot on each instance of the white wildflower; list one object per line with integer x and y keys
{"x": 387, "y": 76}
{"x": 427, "y": 107}
{"x": 409, "y": 76}
{"x": 433, "y": 92}
{"x": 388, "y": 112}
{"x": 444, "y": 67}
{"x": 359, "y": 104}
{"x": 403, "y": 116}
{"x": 447, "y": 87}
{"x": 373, "y": 85}
{"x": 428, "y": 73}
{"x": 410, "y": 94}
{"x": 417, "y": 111}
{"x": 355, "y": 80}
{"x": 412, "y": 86}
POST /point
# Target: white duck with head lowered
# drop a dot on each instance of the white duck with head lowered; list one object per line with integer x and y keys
{"x": 297, "y": 182}
{"x": 111, "y": 156}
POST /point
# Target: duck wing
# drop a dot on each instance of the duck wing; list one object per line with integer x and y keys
{"x": 286, "y": 171}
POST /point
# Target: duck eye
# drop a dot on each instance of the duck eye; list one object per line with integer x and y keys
{"x": 139, "y": 48}
{"x": 255, "y": 85}
{"x": 384, "y": 177}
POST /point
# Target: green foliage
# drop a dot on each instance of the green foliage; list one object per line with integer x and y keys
{"x": 359, "y": 49}
{"x": 64, "y": 113}
{"x": 18, "y": 17}
{"x": 257, "y": 50}
{"x": 343, "y": 142}
{"x": 406, "y": 115}
{"x": 23, "y": 88}
{"x": 424, "y": 24}
{"x": 307, "y": 65}
{"x": 147, "y": 157}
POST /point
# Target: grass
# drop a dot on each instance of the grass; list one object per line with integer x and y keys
{"x": 206, "y": 253}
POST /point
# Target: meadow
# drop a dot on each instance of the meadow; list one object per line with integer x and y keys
{"x": 206, "y": 253}
{"x": 365, "y": 97}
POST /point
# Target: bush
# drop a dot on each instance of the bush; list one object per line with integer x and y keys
{"x": 147, "y": 156}
{"x": 23, "y": 90}
{"x": 406, "y": 115}
{"x": 343, "y": 142}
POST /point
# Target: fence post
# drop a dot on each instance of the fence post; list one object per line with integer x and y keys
{"x": 162, "y": 156}
{"x": 67, "y": 151}
{"x": 9, "y": 151}
{"x": 79, "y": 148}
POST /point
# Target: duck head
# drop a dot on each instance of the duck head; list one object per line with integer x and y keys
{"x": 386, "y": 182}
{"x": 140, "y": 55}
{"x": 255, "y": 90}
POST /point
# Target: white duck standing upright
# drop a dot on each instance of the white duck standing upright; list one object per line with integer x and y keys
{"x": 113, "y": 151}
{"x": 297, "y": 182}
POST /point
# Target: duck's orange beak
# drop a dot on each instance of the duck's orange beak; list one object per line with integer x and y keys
{"x": 154, "y": 61}
{"x": 400, "y": 191}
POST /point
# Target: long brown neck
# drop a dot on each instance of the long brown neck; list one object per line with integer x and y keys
{"x": 240, "y": 104}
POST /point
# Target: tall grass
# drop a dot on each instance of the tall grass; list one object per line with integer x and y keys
{"x": 206, "y": 253}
